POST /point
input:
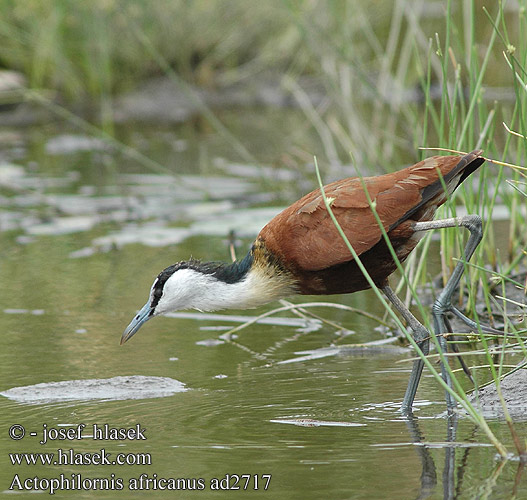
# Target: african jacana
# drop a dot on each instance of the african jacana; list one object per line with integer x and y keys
{"x": 300, "y": 251}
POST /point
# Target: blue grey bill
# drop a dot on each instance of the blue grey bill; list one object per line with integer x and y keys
{"x": 140, "y": 318}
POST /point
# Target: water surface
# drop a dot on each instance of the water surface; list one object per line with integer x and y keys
{"x": 84, "y": 232}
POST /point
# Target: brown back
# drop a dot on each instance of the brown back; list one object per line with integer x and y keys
{"x": 305, "y": 238}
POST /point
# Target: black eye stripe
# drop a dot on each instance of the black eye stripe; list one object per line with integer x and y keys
{"x": 157, "y": 290}
{"x": 162, "y": 278}
{"x": 228, "y": 273}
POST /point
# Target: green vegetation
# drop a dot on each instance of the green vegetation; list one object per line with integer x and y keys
{"x": 101, "y": 47}
{"x": 397, "y": 76}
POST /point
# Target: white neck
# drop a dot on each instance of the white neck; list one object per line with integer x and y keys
{"x": 191, "y": 289}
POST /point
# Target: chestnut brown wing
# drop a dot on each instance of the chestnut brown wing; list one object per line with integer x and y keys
{"x": 305, "y": 238}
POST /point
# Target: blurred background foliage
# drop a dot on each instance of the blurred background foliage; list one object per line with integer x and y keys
{"x": 99, "y": 46}
{"x": 393, "y": 75}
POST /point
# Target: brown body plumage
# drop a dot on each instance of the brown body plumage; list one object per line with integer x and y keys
{"x": 305, "y": 241}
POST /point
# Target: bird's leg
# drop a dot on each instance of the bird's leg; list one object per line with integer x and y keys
{"x": 443, "y": 303}
{"x": 455, "y": 349}
{"x": 422, "y": 338}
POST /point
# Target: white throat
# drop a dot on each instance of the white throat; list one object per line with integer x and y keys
{"x": 191, "y": 289}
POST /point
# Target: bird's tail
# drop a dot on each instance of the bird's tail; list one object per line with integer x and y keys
{"x": 452, "y": 179}
{"x": 468, "y": 164}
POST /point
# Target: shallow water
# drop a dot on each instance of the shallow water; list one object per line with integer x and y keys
{"x": 84, "y": 232}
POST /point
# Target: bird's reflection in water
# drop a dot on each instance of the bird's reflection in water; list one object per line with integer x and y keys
{"x": 453, "y": 475}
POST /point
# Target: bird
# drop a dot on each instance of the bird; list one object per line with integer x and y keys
{"x": 300, "y": 251}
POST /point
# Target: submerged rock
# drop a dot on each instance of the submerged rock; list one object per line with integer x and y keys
{"x": 116, "y": 388}
{"x": 12, "y": 86}
{"x": 70, "y": 143}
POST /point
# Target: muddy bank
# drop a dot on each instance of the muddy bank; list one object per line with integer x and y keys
{"x": 514, "y": 391}
{"x": 170, "y": 100}
{"x": 513, "y": 386}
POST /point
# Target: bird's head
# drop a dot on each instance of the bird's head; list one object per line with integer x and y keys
{"x": 209, "y": 286}
{"x": 176, "y": 287}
